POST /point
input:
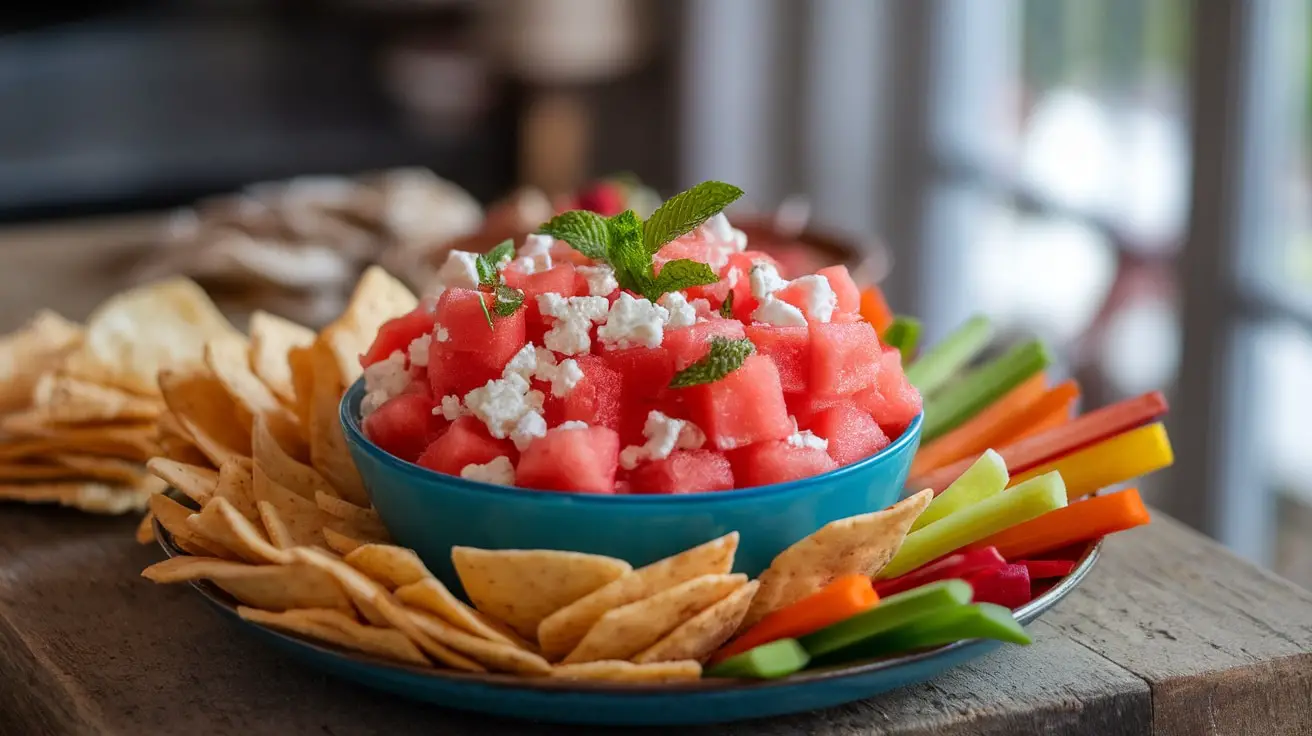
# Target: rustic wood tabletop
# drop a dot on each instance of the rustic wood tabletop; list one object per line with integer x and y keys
{"x": 1170, "y": 634}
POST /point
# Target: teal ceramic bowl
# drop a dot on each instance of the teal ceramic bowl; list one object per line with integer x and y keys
{"x": 431, "y": 512}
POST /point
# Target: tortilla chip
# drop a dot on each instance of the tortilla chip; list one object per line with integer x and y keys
{"x": 236, "y": 486}
{"x": 401, "y": 619}
{"x": 859, "y": 545}
{"x": 108, "y": 469}
{"x": 181, "y": 450}
{"x": 146, "y": 529}
{"x": 67, "y": 400}
{"x": 345, "y": 632}
{"x": 25, "y": 355}
{"x": 328, "y": 451}
{"x": 341, "y": 543}
{"x": 125, "y": 441}
{"x": 167, "y": 423}
{"x": 621, "y": 671}
{"x": 364, "y": 522}
{"x": 90, "y": 496}
{"x": 378, "y": 297}
{"x": 221, "y": 524}
{"x": 134, "y": 335}
{"x": 301, "y": 363}
{"x": 274, "y": 527}
{"x": 389, "y": 565}
{"x": 22, "y": 471}
{"x": 280, "y": 466}
{"x": 269, "y": 587}
{"x": 699, "y": 637}
{"x": 207, "y": 412}
{"x": 272, "y": 340}
{"x": 226, "y": 358}
{"x": 521, "y": 587}
{"x": 301, "y": 517}
{"x": 173, "y": 516}
{"x": 432, "y": 596}
{"x": 496, "y": 656}
{"x": 625, "y": 631}
{"x": 561, "y": 632}
{"x": 193, "y": 481}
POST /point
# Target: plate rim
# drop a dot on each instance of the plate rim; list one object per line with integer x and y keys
{"x": 227, "y": 604}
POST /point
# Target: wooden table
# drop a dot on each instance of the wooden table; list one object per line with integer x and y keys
{"x": 1170, "y": 634}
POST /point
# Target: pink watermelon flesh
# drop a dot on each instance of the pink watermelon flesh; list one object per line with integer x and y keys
{"x": 804, "y": 407}
{"x": 853, "y": 435}
{"x": 789, "y": 348}
{"x": 845, "y": 358}
{"x": 840, "y": 280}
{"x": 475, "y": 353}
{"x": 684, "y": 471}
{"x": 687, "y": 345}
{"x": 583, "y": 460}
{"x": 741, "y": 263}
{"x": 647, "y": 372}
{"x": 561, "y": 279}
{"x": 597, "y": 399}
{"x": 404, "y": 425}
{"x": 892, "y": 401}
{"x": 777, "y": 461}
{"x": 744, "y": 407}
{"x": 465, "y": 442}
{"x": 397, "y": 334}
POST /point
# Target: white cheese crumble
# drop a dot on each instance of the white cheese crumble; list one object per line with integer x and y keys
{"x": 601, "y": 279}
{"x": 765, "y": 279}
{"x": 382, "y": 381}
{"x": 418, "y": 350}
{"x": 564, "y": 377}
{"x": 440, "y": 334}
{"x": 502, "y": 403}
{"x": 535, "y": 254}
{"x": 633, "y": 322}
{"x": 459, "y": 270}
{"x": 777, "y": 312}
{"x": 719, "y": 228}
{"x": 534, "y": 362}
{"x": 499, "y": 471}
{"x": 529, "y": 427}
{"x": 450, "y": 408}
{"x": 524, "y": 363}
{"x": 819, "y": 300}
{"x": 806, "y": 438}
{"x": 664, "y": 435}
{"x": 572, "y": 424}
{"x": 682, "y": 314}
{"x": 571, "y": 333}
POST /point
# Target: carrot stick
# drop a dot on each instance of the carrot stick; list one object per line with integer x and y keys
{"x": 1078, "y": 522}
{"x": 1115, "y": 460}
{"x": 874, "y": 309}
{"x": 972, "y": 437}
{"x": 1077, "y": 434}
{"x": 838, "y": 601}
{"x": 1052, "y": 409}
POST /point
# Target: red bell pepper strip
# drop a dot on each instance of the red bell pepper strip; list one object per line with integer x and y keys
{"x": 1006, "y": 586}
{"x": 958, "y": 565}
{"x": 1048, "y": 569}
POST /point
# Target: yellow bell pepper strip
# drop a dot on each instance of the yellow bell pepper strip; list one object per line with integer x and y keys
{"x": 1116, "y": 460}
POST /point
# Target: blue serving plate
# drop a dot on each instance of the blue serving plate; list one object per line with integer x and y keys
{"x": 705, "y": 701}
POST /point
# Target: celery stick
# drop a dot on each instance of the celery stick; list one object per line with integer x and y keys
{"x": 1000, "y": 511}
{"x": 981, "y": 387}
{"x": 779, "y": 658}
{"x": 903, "y": 334}
{"x": 892, "y": 612}
{"x": 985, "y": 477}
{"x": 950, "y": 355}
{"x": 975, "y": 621}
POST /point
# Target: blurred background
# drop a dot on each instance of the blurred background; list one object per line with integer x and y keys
{"x": 1129, "y": 179}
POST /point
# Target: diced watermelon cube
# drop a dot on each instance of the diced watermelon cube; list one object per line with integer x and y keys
{"x": 474, "y": 352}
{"x": 420, "y": 385}
{"x": 583, "y": 460}
{"x": 466, "y": 441}
{"x": 397, "y": 334}
{"x": 741, "y": 263}
{"x": 561, "y": 279}
{"x": 845, "y": 358}
{"x": 777, "y": 461}
{"x": 805, "y": 406}
{"x": 404, "y": 425}
{"x": 892, "y": 401}
{"x": 744, "y": 407}
{"x": 687, "y": 345}
{"x": 597, "y": 399}
{"x": 789, "y": 348}
{"x": 692, "y": 246}
{"x": 647, "y": 372}
{"x": 684, "y": 471}
{"x": 849, "y": 295}
{"x": 457, "y": 372}
{"x": 562, "y": 252}
{"x": 853, "y": 435}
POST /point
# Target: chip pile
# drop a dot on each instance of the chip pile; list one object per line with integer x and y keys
{"x": 534, "y": 613}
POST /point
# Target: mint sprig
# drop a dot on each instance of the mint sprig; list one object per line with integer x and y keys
{"x": 505, "y": 299}
{"x": 725, "y": 357}
{"x": 628, "y": 244}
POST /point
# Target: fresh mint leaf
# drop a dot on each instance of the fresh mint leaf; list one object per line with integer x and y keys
{"x": 625, "y": 254}
{"x": 678, "y": 275}
{"x": 507, "y": 300}
{"x": 486, "y": 314}
{"x": 586, "y": 232}
{"x": 725, "y": 357}
{"x": 726, "y": 307}
{"x": 486, "y": 264}
{"x": 686, "y": 210}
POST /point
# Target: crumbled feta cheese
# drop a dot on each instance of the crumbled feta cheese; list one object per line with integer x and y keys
{"x": 502, "y": 403}
{"x": 459, "y": 270}
{"x": 601, "y": 279}
{"x": 440, "y": 334}
{"x": 450, "y": 408}
{"x": 529, "y": 426}
{"x": 682, "y": 314}
{"x": 418, "y": 350}
{"x": 777, "y": 312}
{"x": 818, "y": 300}
{"x": 632, "y": 322}
{"x": 718, "y": 228}
{"x": 524, "y": 363}
{"x": 535, "y": 254}
{"x": 806, "y": 438}
{"x": 565, "y": 377}
{"x": 664, "y": 435}
{"x": 765, "y": 280}
{"x": 530, "y": 266}
{"x": 572, "y": 424}
{"x": 499, "y": 471}
{"x": 382, "y": 381}
{"x": 571, "y": 333}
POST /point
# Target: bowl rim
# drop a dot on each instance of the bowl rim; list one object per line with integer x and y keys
{"x": 355, "y": 436}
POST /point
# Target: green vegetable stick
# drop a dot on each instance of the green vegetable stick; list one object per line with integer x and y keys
{"x": 779, "y": 658}
{"x": 890, "y": 613}
{"x": 981, "y": 387}
{"x": 903, "y": 334}
{"x": 950, "y": 355}
{"x": 985, "y": 477}
{"x": 1013, "y": 506}
{"x": 976, "y": 621}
